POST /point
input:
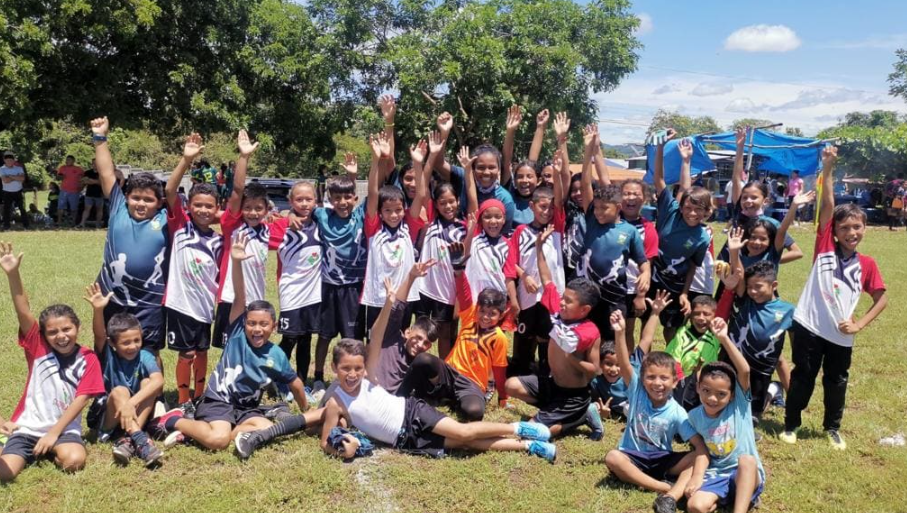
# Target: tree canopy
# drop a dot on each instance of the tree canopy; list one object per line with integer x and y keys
{"x": 684, "y": 125}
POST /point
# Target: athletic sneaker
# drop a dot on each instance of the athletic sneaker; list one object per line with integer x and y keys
{"x": 277, "y": 412}
{"x": 188, "y": 409}
{"x": 543, "y": 450}
{"x": 837, "y": 441}
{"x": 788, "y": 437}
{"x": 489, "y": 393}
{"x": 150, "y": 454}
{"x": 158, "y": 426}
{"x": 104, "y": 436}
{"x": 174, "y": 438}
{"x": 123, "y": 450}
{"x": 776, "y": 391}
{"x": 245, "y": 444}
{"x": 664, "y": 504}
{"x": 594, "y": 421}
{"x": 318, "y": 389}
{"x": 533, "y": 431}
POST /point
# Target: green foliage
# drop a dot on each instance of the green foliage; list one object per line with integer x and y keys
{"x": 794, "y": 131}
{"x": 897, "y": 79}
{"x": 684, "y": 125}
{"x": 872, "y": 145}
{"x": 751, "y": 122}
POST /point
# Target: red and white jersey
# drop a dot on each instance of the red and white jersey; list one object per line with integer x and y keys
{"x": 298, "y": 264}
{"x": 833, "y": 288}
{"x": 439, "y": 283}
{"x": 485, "y": 267}
{"x": 195, "y": 257}
{"x": 254, "y": 267}
{"x": 649, "y": 235}
{"x": 390, "y": 255}
{"x": 522, "y": 253}
{"x": 54, "y": 381}
{"x": 704, "y": 279}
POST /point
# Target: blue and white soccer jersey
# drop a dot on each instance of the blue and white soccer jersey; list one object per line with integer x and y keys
{"x": 758, "y": 331}
{"x": 679, "y": 245}
{"x": 345, "y": 245}
{"x": 607, "y": 251}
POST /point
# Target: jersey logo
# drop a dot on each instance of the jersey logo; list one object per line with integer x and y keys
{"x": 622, "y": 238}
{"x": 688, "y": 244}
{"x": 156, "y": 224}
{"x": 779, "y": 316}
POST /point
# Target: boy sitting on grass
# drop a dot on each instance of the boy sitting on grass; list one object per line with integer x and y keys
{"x": 132, "y": 380}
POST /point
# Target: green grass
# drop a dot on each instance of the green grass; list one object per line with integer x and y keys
{"x": 295, "y": 476}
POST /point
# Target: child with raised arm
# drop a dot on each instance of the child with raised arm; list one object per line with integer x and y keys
{"x": 132, "y": 380}
{"x": 62, "y": 379}
{"x": 562, "y": 395}
{"x": 135, "y": 252}
{"x": 409, "y": 424}
{"x": 645, "y": 456}
{"x": 734, "y": 475}
{"x": 824, "y": 325}
{"x": 246, "y": 213}
{"x": 192, "y": 282}
{"x": 250, "y": 363}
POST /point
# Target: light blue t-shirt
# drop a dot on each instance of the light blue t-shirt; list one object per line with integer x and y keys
{"x": 758, "y": 331}
{"x": 728, "y": 436}
{"x": 522, "y": 213}
{"x": 607, "y": 248}
{"x": 651, "y": 429}
{"x": 345, "y": 246}
{"x": 458, "y": 180}
{"x": 244, "y": 372}
{"x": 120, "y": 372}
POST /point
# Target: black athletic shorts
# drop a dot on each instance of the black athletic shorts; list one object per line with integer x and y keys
{"x": 671, "y": 316}
{"x": 221, "y": 325}
{"x": 452, "y": 387}
{"x": 23, "y": 445}
{"x": 434, "y": 309}
{"x": 340, "y": 311}
{"x": 416, "y": 435}
{"x": 151, "y": 319}
{"x": 185, "y": 333}
{"x": 534, "y": 321}
{"x": 556, "y": 404}
{"x": 210, "y": 410}
{"x": 301, "y": 321}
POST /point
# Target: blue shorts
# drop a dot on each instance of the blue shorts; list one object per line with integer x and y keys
{"x": 725, "y": 487}
{"x": 68, "y": 201}
{"x": 655, "y": 464}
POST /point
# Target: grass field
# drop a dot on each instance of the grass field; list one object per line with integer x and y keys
{"x": 294, "y": 475}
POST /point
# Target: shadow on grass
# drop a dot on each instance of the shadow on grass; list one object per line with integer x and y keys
{"x": 774, "y": 428}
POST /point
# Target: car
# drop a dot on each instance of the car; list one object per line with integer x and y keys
{"x": 278, "y": 191}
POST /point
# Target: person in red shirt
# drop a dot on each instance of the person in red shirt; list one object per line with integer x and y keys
{"x": 70, "y": 189}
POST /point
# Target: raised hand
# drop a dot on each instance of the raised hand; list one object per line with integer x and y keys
{"x": 670, "y": 133}
{"x": 719, "y": 327}
{"x": 542, "y": 117}
{"x": 238, "y": 249}
{"x": 686, "y": 149}
{"x": 661, "y": 301}
{"x": 350, "y": 163}
{"x": 381, "y": 148}
{"x": 590, "y": 137}
{"x": 445, "y": 124}
{"x": 193, "y": 146}
{"x": 390, "y": 291}
{"x": 418, "y": 151}
{"x": 9, "y": 261}
{"x": 803, "y": 198}
{"x": 388, "y": 106}
{"x": 732, "y": 277}
{"x": 465, "y": 160}
{"x": 246, "y": 146}
{"x": 420, "y": 269}
{"x": 514, "y": 117}
{"x": 618, "y": 323}
{"x": 100, "y": 126}
{"x": 471, "y": 222}
{"x": 543, "y": 237}
{"x": 735, "y": 240}
{"x": 561, "y": 124}
{"x": 96, "y": 298}
{"x": 435, "y": 143}
{"x": 740, "y": 136}
{"x": 829, "y": 156}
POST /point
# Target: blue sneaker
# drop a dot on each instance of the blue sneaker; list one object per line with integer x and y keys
{"x": 543, "y": 450}
{"x": 594, "y": 421}
{"x": 533, "y": 431}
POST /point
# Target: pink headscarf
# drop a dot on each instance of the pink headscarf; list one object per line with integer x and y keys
{"x": 489, "y": 203}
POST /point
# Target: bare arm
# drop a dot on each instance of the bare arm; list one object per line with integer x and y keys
{"x": 154, "y": 388}
{"x": 100, "y": 127}
{"x": 544, "y": 270}
{"x": 191, "y": 149}
{"x": 879, "y": 302}
{"x": 737, "y": 175}
{"x": 445, "y": 124}
{"x": 472, "y": 195}
{"x": 388, "y": 105}
{"x": 590, "y": 139}
{"x": 686, "y": 154}
{"x": 46, "y": 443}
{"x": 378, "y": 333}
{"x": 238, "y": 255}
{"x": 659, "y": 178}
{"x": 796, "y": 202}
{"x": 418, "y": 153}
{"x": 541, "y": 123}
{"x": 246, "y": 149}
{"x": 98, "y": 302}
{"x": 719, "y": 328}
{"x": 380, "y": 149}
{"x": 514, "y": 118}
{"x": 618, "y": 325}
{"x": 827, "y": 205}
{"x": 10, "y": 264}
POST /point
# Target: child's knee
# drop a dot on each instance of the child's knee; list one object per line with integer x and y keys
{"x": 219, "y": 441}
{"x": 513, "y": 386}
{"x": 699, "y": 503}
{"x": 614, "y": 459}
{"x": 70, "y": 460}
{"x": 473, "y": 412}
{"x": 746, "y": 463}
{"x": 120, "y": 393}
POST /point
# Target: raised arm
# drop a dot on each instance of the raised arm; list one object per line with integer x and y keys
{"x": 514, "y": 118}
{"x": 619, "y": 326}
{"x": 380, "y": 150}
{"x": 418, "y": 154}
{"x": 472, "y": 195}
{"x": 238, "y": 255}
{"x": 719, "y": 328}
{"x": 659, "y": 178}
{"x": 827, "y": 204}
{"x": 647, "y": 337}
{"x": 445, "y": 124}
{"x": 388, "y": 105}
{"x": 379, "y": 331}
{"x": 686, "y": 154}
{"x": 10, "y": 264}
{"x": 350, "y": 165}
{"x": 100, "y": 127}
{"x": 191, "y": 149}
{"x": 737, "y": 175}
{"x": 98, "y": 302}
{"x": 246, "y": 149}
{"x": 541, "y": 124}
{"x": 590, "y": 141}
{"x": 559, "y": 162}
{"x": 561, "y": 129}
{"x": 795, "y": 204}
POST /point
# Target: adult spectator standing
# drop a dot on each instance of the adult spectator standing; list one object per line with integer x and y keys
{"x": 70, "y": 190}
{"x": 94, "y": 197}
{"x": 13, "y": 177}
{"x": 794, "y": 186}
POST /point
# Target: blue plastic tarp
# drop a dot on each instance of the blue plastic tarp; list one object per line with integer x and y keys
{"x": 699, "y": 163}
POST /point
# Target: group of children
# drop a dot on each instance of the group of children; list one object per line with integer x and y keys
{"x": 471, "y": 251}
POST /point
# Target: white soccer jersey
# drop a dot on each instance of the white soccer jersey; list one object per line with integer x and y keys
{"x": 298, "y": 264}
{"x": 439, "y": 284}
{"x": 390, "y": 255}
{"x": 485, "y": 267}
{"x": 194, "y": 264}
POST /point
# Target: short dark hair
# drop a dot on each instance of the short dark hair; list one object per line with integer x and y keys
{"x": 347, "y": 346}
{"x": 70, "y": 157}
{"x": 487, "y": 148}
{"x": 341, "y": 184}
{"x": 586, "y": 291}
{"x": 493, "y": 298}
{"x": 440, "y": 189}
{"x": 719, "y": 369}
{"x": 121, "y": 322}
{"x": 609, "y": 194}
{"x": 203, "y": 188}
{"x": 255, "y": 191}
{"x": 848, "y": 210}
{"x": 57, "y": 311}
{"x": 698, "y": 196}
{"x": 542, "y": 192}
{"x": 428, "y": 326}
{"x": 261, "y": 305}
{"x": 659, "y": 359}
{"x": 138, "y": 181}
{"x": 635, "y": 181}
{"x": 760, "y": 222}
{"x": 607, "y": 348}
{"x": 704, "y": 300}
{"x": 531, "y": 164}
{"x": 390, "y": 193}
{"x": 763, "y": 270}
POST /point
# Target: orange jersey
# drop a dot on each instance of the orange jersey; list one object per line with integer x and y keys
{"x": 474, "y": 354}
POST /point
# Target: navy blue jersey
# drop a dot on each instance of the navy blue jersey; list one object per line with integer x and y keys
{"x": 758, "y": 330}
{"x": 607, "y": 249}
{"x": 679, "y": 244}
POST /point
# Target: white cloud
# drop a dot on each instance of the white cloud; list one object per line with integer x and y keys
{"x": 645, "y": 24}
{"x": 741, "y": 105}
{"x": 667, "y": 88}
{"x": 763, "y": 38}
{"x": 813, "y": 97}
{"x": 876, "y": 42}
{"x": 712, "y": 89}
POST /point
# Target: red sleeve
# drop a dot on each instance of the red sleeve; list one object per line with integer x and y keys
{"x": 551, "y": 300}
{"x": 560, "y": 219}
{"x": 415, "y": 226}
{"x": 32, "y": 342}
{"x": 278, "y": 230}
{"x": 825, "y": 240}
{"x": 650, "y": 244}
{"x": 372, "y": 225}
{"x": 464, "y": 293}
{"x": 500, "y": 377}
{"x": 513, "y": 254}
{"x": 176, "y": 217}
{"x": 92, "y": 382}
{"x": 872, "y": 278}
{"x": 229, "y": 221}
{"x": 726, "y": 304}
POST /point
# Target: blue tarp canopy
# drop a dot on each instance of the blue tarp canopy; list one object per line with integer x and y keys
{"x": 780, "y": 153}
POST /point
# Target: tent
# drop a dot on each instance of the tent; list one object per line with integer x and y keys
{"x": 780, "y": 153}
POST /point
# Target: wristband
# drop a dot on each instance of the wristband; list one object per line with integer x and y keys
{"x": 98, "y": 138}
{"x": 388, "y": 125}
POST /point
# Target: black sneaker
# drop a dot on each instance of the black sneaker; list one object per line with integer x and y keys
{"x": 150, "y": 454}
{"x": 278, "y": 412}
{"x": 188, "y": 409}
{"x": 123, "y": 450}
{"x": 664, "y": 504}
{"x": 245, "y": 444}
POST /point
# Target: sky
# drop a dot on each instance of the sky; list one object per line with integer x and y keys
{"x": 801, "y": 63}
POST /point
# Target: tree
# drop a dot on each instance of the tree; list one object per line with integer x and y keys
{"x": 794, "y": 131}
{"x": 751, "y": 122}
{"x": 897, "y": 79}
{"x": 684, "y": 125}
{"x": 870, "y": 152}
{"x": 873, "y": 119}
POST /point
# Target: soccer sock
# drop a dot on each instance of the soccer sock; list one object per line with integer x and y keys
{"x": 303, "y": 356}
{"x": 183, "y": 376}
{"x": 139, "y": 438}
{"x": 200, "y": 369}
{"x": 289, "y": 425}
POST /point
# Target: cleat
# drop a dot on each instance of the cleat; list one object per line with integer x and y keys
{"x": 837, "y": 441}
{"x": 173, "y": 439}
{"x": 664, "y": 504}
{"x": 150, "y": 454}
{"x": 245, "y": 444}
